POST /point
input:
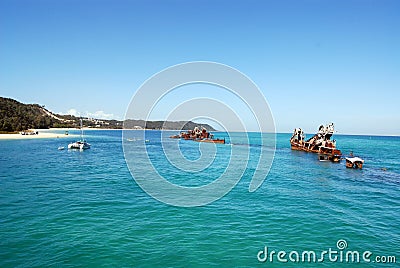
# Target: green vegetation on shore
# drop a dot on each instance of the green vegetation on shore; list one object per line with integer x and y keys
{"x": 16, "y": 116}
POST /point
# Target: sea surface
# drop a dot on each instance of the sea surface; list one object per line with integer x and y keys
{"x": 83, "y": 209}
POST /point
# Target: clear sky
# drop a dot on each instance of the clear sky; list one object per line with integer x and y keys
{"x": 316, "y": 61}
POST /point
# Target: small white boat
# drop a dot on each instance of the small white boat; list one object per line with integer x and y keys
{"x": 61, "y": 148}
{"x": 81, "y": 144}
{"x": 354, "y": 162}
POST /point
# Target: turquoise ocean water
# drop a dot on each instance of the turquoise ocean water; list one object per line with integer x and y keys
{"x": 71, "y": 208}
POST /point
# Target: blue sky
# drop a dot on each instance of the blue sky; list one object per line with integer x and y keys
{"x": 315, "y": 61}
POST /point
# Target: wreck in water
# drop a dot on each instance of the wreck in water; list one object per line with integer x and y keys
{"x": 320, "y": 143}
{"x": 198, "y": 135}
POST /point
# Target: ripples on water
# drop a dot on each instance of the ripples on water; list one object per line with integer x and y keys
{"x": 83, "y": 208}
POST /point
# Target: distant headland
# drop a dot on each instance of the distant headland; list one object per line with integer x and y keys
{"x": 16, "y": 116}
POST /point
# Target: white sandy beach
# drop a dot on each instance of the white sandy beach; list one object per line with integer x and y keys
{"x": 41, "y": 135}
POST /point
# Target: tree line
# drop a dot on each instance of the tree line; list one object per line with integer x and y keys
{"x": 16, "y": 116}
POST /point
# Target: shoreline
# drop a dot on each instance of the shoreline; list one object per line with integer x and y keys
{"x": 42, "y": 135}
{"x": 51, "y": 133}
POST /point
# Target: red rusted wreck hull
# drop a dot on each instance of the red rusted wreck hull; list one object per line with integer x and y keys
{"x": 198, "y": 135}
{"x": 320, "y": 143}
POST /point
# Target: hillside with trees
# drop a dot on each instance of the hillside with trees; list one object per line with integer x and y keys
{"x": 16, "y": 116}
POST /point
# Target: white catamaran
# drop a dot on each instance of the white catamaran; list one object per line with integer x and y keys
{"x": 81, "y": 144}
